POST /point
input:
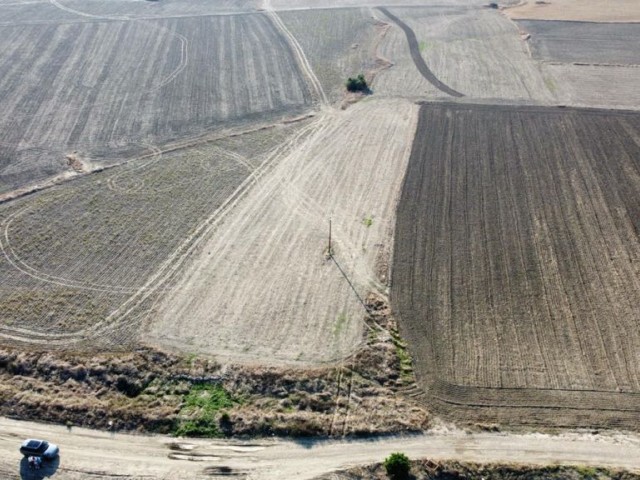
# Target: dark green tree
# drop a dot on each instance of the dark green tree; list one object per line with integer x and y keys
{"x": 397, "y": 466}
{"x": 358, "y": 84}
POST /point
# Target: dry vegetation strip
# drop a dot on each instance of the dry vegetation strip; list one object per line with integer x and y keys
{"x": 154, "y": 391}
{"x": 516, "y": 264}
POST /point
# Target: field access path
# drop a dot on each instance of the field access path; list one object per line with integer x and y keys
{"x": 90, "y": 454}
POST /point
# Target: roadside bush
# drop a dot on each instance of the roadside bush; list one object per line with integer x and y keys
{"x": 358, "y": 84}
{"x": 397, "y": 466}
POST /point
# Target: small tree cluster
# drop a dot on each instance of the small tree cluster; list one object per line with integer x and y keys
{"x": 358, "y": 84}
{"x": 397, "y": 466}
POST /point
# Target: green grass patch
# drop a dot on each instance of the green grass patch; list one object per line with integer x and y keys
{"x": 423, "y": 46}
{"x": 367, "y": 221}
{"x": 406, "y": 363}
{"x": 199, "y": 415}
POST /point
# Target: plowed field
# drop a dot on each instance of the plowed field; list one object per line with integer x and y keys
{"x": 105, "y": 89}
{"x": 516, "y": 263}
{"x": 584, "y": 42}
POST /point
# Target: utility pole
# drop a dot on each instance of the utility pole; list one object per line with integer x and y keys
{"x": 330, "y": 253}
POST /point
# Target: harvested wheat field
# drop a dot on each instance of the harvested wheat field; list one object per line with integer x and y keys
{"x": 116, "y": 86}
{"x": 475, "y": 53}
{"x": 516, "y": 269}
{"x": 338, "y": 45}
{"x": 584, "y": 42}
{"x": 262, "y": 286}
{"x": 73, "y": 255}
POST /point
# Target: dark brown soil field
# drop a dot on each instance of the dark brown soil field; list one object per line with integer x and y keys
{"x": 584, "y": 42}
{"x": 516, "y": 271}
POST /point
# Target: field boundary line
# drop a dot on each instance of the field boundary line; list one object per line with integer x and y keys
{"x": 169, "y": 148}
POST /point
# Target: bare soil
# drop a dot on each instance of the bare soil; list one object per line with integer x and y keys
{"x": 515, "y": 271}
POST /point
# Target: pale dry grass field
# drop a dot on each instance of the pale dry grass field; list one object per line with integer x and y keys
{"x": 262, "y": 285}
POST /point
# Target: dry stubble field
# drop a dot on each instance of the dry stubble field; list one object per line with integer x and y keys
{"x": 338, "y": 45}
{"x": 103, "y": 102}
{"x": 517, "y": 264}
{"x": 262, "y": 285}
{"x": 74, "y": 254}
{"x": 475, "y": 51}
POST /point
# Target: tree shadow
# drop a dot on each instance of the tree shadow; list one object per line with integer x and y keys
{"x": 47, "y": 469}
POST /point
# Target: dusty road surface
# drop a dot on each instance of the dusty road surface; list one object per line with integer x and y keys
{"x": 88, "y": 454}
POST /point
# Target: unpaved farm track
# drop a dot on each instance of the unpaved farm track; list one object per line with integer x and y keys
{"x": 414, "y": 48}
{"x": 88, "y": 454}
{"x": 516, "y": 264}
{"x": 262, "y": 286}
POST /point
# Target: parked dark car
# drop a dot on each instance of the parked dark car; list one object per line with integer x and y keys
{"x": 39, "y": 448}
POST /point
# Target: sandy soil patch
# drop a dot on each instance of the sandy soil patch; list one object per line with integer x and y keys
{"x": 262, "y": 287}
{"x": 583, "y": 10}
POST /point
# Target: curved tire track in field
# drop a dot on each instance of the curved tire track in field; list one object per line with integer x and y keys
{"x": 172, "y": 264}
{"x": 184, "y": 43}
{"x": 30, "y": 336}
{"x": 421, "y": 65}
{"x": 19, "y": 264}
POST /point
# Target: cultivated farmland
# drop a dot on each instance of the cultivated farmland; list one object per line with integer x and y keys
{"x": 102, "y": 102}
{"x": 476, "y": 52}
{"x": 74, "y": 254}
{"x": 584, "y": 42}
{"x": 262, "y": 285}
{"x": 517, "y": 263}
{"x": 577, "y": 10}
{"x": 337, "y": 46}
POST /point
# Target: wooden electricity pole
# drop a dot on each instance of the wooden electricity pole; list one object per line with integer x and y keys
{"x": 330, "y": 254}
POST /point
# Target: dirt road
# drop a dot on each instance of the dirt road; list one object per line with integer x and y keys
{"x": 88, "y": 454}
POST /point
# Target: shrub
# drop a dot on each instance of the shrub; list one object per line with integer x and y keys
{"x": 397, "y": 466}
{"x": 358, "y": 84}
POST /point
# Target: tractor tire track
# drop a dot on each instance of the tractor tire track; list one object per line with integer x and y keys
{"x": 421, "y": 65}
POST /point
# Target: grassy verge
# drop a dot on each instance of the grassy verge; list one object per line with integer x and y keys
{"x": 202, "y": 413}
